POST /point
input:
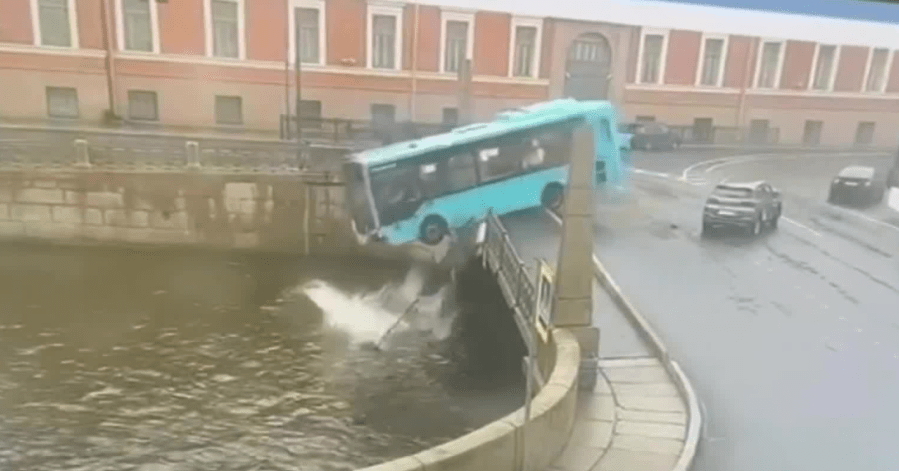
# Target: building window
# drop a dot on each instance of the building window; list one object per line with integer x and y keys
{"x": 226, "y": 17}
{"x": 228, "y": 110}
{"x": 307, "y": 35}
{"x": 137, "y": 29}
{"x": 307, "y": 21}
{"x": 769, "y": 65}
{"x": 524, "y": 61}
{"x": 759, "y": 131}
{"x": 812, "y": 134}
{"x": 385, "y": 45}
{"x": 864, "y": 134}
{"x": 877, "y": 71}
{"x": 713, "y": 54}
{"x": 652, "y": 58}
{"x": 456, "y": 38}
{"x": 450, "y": 117}
{"x": 55, "y": 23}
{"x": 383, "y": 41}
{"x": 825, "y": 66}
{"x": 142, "y": 106}
{"x": 62, "y": 102}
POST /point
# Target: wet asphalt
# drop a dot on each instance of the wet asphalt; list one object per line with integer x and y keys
{"x": 791, "y": 339}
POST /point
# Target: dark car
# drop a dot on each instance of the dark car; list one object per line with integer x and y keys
{"x": 651, "y": 136}
{"x": 856, "y": 185}
{"x": 748, "y": 206}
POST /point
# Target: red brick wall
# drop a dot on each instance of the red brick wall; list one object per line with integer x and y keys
{"x": 15, "y": 22}
{"x": 266, "y": 30}
{"x": 182, "y": 28}
{"x": 740, "y": 62}
{"x": 797, "y": 65}
{"x": 851, "y": 70}
{"x": 491, "y": 43}
{"x": 346, "y": 30}
{"x": 90, "y": 32}
{"x": 683, "y": 57}
{"x": 428, "y": 38}
{"x": 893, "y": 80}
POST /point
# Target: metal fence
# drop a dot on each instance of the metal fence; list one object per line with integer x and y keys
{"x": 350, "y": 131}
{"x": 515, "y": 280}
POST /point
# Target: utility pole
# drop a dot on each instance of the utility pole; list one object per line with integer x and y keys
{"x": 299, "y": 82}
{"x": 465, "y": 91}
{"x": 110, "y": 59}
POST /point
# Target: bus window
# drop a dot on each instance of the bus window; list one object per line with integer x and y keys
{"x": 398, "y": 191}
{"x": 461, "y": 173}
{"x": 357, "y": 197}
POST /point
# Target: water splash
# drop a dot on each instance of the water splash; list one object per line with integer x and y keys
{"x": 367, "y": 317}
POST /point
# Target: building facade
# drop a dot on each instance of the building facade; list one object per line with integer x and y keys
{"x": 232, "y": 65}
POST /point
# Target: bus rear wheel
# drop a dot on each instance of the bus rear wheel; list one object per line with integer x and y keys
{"x": 433, "y": 229}
{"x": 552, "y": 196}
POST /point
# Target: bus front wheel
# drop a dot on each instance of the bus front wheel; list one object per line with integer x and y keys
{"x": 552, "y": 196}
{"x": 433, "y": 228}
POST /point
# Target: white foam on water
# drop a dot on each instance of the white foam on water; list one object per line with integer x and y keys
{"x": 367, "y": 317}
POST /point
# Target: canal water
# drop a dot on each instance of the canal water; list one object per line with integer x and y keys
{"x": 125, "y": 360}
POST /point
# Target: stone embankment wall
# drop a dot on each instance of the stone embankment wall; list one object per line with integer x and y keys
{"x": 290, "y": 212}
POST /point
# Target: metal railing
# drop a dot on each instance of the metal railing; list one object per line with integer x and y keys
{"x": 515, "y": 280}
{"x": 368, "y": 133}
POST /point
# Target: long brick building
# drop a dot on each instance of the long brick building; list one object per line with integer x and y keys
{"x": 718, "y": 74}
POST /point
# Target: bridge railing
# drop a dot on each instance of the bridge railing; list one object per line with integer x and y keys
{"x": 515, "y": 280}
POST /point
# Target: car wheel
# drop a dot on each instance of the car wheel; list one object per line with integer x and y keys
{"x": 552, "y": 197}
{"x": 756, "y": 228}
{"x": 707, "y": 229}
{"x": 433, "y": 229}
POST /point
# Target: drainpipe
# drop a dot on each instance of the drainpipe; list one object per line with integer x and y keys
{"x": 288, "y": 133}
{"x": 741, "y": 110}
{"x": 110, "y": 58}
{"x": 412, "y": 116}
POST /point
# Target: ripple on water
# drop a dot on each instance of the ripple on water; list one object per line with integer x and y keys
{"x": 90, "y": 384}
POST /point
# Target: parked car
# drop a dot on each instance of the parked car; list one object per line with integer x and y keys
{"x": 651, "y": 136}
{"x": 748, "y": 206}
{"x": 856, "y": 185}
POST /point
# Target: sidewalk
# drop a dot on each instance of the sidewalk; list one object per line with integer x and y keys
{"x": 633, "y": 420}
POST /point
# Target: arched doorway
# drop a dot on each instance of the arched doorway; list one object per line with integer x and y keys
{"x": 587, "y": 68}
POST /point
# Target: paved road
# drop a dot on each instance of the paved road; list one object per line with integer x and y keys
{"x": 791, "y": 339}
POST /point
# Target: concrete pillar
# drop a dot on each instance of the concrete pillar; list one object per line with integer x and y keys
{"x": 573, "y": 300}
{"x": 192, "y": 151}
{"x": 82, "y": 154}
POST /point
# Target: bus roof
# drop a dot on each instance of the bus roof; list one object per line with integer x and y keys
{"x": 507, "y": 121}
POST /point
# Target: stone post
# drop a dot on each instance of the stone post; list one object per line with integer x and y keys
{"x": 82, "y": 154}
{"x": 192, "y": 151}
{"x": 573, "y": 300}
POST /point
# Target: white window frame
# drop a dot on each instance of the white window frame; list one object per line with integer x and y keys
{"x": 886, "y": 70}
{"x": 384, "y": 9}
{"x": 241, "y": 30}
{"x": 778, "y": 72}
{"x": 834, "y": 68}
{"x": 319, "y": 5}
{"x": 154, "y": 26}
{"x": 538, "y": 47}
{"x": 456, "y": 15}
{"x": 663, "y": 60}
{"x": 36, "y": 25}
{"x": 721, "y": 67}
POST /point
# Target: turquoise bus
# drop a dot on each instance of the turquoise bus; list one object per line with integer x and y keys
{"x": 420, "y": 190}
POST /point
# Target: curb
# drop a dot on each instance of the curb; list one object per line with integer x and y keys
{"x": 691, "y": 440}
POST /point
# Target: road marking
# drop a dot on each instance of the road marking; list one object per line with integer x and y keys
{"x": 867, "y": 218}
{"x": 651, "y": 173}
{"x": 802, "y": 226}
